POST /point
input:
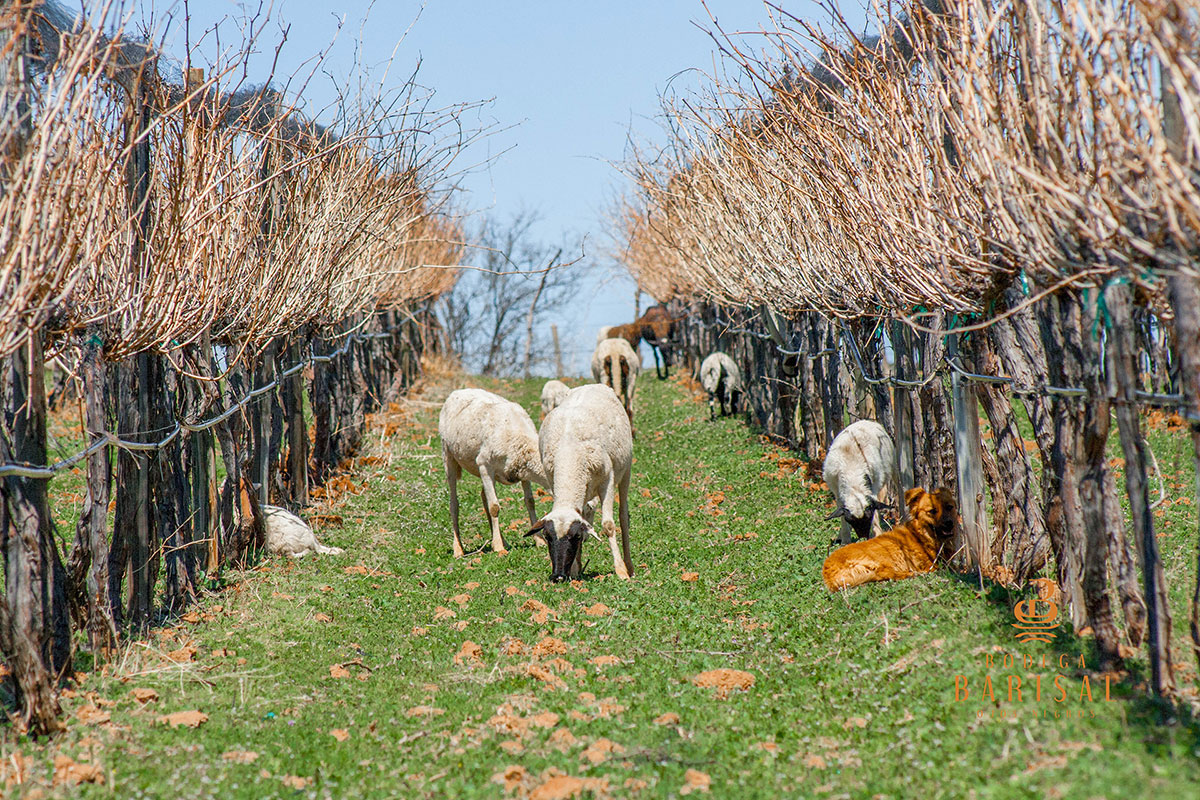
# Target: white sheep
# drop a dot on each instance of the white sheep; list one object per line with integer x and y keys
{"x": 587, "y": 449}
{"x": 722, "y": 380}
{"x": 859, "y": 470}
{"x": 288, "y": 535}
{"x": 616, "y": 365}
{"x": 495, "y": 439}
{"x": 553, "y": 393}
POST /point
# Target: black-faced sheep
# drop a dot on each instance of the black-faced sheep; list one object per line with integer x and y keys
{"x": 587, "y": 449}
{"x": 722, "y": 380}
{"x": 616, "y": 365}
{"x": 495, "y": 439}
{"x": 859, "y": 470}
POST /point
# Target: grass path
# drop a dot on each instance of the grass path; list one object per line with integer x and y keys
{"x": 396, "y": 671}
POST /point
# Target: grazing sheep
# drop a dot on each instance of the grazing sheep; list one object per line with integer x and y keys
{"x": 553, "y": 393}
{"x": 859, "y": 470}
{"x": 587, "y": 448}
{"x": 722, "y": 380}
{"x": 616, "y": 364}
{"x": 495, "y": 439}
{"x": 288, "y": 535}
{"x": 906, "y": 550}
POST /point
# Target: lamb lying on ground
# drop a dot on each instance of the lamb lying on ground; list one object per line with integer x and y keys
{"x": 553, "y": 393}
{"x": 616, "y": 365}
{"x": 288, "y": 535}
{"x": 909, "y": 549}
{"x": 722, "y": 380}
{"x": 859, "y": 470}
{"x": 587, "y": 448}
{"x": 495, "y": 439}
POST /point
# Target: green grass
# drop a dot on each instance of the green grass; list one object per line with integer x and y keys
{"x": 853, "y": 693}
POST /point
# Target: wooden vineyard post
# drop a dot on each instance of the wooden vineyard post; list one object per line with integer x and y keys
{"x": 1122, "y": 367}
{"x": 297, "y": 432}
{"x": 558, "y": 364}
{"x": 92, "y": 534}
{"x": 968, "y": 453}
{"x": 1183, "y": 289}
{"x": 902, "y": 411}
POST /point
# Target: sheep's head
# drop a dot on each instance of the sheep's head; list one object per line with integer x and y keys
{"x": 858, "y": 509}
{"x": 564, "y": 532}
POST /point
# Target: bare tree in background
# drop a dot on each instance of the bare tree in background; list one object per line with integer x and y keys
{"x": 495, "y": 318}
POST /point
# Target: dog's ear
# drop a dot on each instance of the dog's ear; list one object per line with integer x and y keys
{"x": 912, "y": 496}
{"x": 946, "y": 498}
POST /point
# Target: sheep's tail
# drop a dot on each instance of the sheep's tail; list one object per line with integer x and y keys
{"x": 615, "y": 362}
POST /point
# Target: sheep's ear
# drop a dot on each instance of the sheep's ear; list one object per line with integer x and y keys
{"x": 841, "y": 512}
{"x": 544, "y": 527}
{"x": 877, "y": 505}
{"x": 912, "y": 495}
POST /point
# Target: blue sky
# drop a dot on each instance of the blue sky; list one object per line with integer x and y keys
{"x": 570, "y": 82}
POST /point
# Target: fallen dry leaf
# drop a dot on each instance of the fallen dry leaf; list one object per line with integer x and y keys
{"x": 541, "y": 611}
{"x": 143, "y": 695}
{"x": 724, "y": 681}
{"x": 546, "y": 719}
{"x": 562, "y": 787}
{"x": 295, "y": 781}
{"x": 441, "y": 612}
{"x": 854, "y": 722}
{"x": 604, "y": 661}
{"x": 562, "y": 740}
{"x": 341, "y": 734}
{"x": 425, "y": 711}
{"x": 598, "y": 610}
{"x": 91, "y": 715}
{"x": 70, "y": 772}
{"x": 549, "y": 646}
{"x": 240, "y": 756}
{"x": 669, "y": 718}
{"x": 338, "y": 671}
{"x": 512, "y": 747}
{"x": 690, "y": 577}
{"x": 695, "y": 781}
{"x": 814, "y": 761}
{"x": 600, "y": 750}
{"x": 190, "y": 719}
{"x": 460, "y": 599}
{"x": 470, "y": 654}
{"x": 14, "y": 770}
{"x": 323, "y": 617}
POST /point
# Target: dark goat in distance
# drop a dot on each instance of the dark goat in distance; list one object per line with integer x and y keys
{"x": 656, "y": 328}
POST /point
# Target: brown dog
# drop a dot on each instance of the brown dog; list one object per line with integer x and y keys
{"x": 906, "y": 550}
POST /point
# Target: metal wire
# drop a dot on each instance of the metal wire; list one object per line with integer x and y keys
{"x": 107, "y": 438}
{"x": 1150, "y": 398}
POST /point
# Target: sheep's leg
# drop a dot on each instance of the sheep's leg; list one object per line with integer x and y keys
{"x": 607, "y": 495}
{"x": 623, "y": 499}
{"x": 453, "y": 473}
{"x": 491, "y": 507}
{"x": 529, "y": 506}
{"x": 847, "y": 533}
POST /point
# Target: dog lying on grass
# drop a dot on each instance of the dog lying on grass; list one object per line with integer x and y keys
{"x": 906, "y": 550}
